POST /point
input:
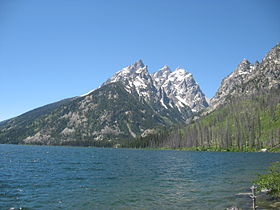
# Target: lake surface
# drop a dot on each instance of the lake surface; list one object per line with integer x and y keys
{"x": 48, "y": 177}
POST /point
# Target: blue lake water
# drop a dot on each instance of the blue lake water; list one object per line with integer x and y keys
{"x": 48, "y": 177}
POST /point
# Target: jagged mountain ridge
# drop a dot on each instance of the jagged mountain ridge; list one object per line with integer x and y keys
{"x": 181, "y": 88}
{"x": 128, "y": 105}
{"x": 174, "y": 90}
{"x": 244, "y": 114}
{"x": 175, "y": 101}
{"x": 133, "y": 102}
{"x": 249, "y": 78}
{"x": 137, "y": 81}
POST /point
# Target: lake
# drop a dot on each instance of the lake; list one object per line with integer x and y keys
{"x": 49, "y": 177}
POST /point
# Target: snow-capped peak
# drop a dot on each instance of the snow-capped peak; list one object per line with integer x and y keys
{"x": 180, "y": 70}
{"x": 165, "y": 68}
{"x": 244, "y": 66}
{"x": 180, "y": 74}
{"x": 163, "y": 87}
{"x": 138, "y": 64}
{"x": 130, "y": 71}
{"x": 181, "y": 88}
{"x": 161, "y": 75}
{"x": 136, "y": 78}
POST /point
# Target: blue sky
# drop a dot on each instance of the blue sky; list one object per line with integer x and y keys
{"x": 54, "y": 49}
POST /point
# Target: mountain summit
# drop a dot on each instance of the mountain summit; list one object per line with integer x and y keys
{"x": 136, "y": 80}
{"x": 132, "y": 103}
{"x": 180, "y": 88}
{"x": 249, "y": 78}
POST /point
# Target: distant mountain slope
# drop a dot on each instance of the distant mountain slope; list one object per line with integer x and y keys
{"x": 244, "y": 123}
{"x": 250, "y": 78}
{"x": 12, "y": 130}
{"x": 128, "y": 105}
{"x": 243, "y": 115}
{"x": 176, "y": 97}
{"x": 181, "y": 88}
{"x": 109, "y": 113}
{"x": 133, "y": 104}
{"x": 138, "y": 82}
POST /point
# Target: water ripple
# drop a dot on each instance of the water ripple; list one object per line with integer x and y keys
{"x": 43, "y": 177}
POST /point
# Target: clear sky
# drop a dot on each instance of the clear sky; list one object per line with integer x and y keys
{"x": 55, "y": 49}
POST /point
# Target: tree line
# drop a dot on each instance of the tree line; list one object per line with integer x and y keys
{"x": 245, "y": 123}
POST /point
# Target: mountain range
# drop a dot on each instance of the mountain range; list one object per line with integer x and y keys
{"x": 249, "y": 78}
{"x": 134, "y": 103}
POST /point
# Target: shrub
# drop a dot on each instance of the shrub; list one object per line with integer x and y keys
{"x": 271, "y": 180}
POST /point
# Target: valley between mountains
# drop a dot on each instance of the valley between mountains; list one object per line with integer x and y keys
{"x": 167, "y": 108}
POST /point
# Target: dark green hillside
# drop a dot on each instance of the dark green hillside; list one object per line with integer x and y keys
{"x": 108, "y": 114}
{"x": 246, "y": 123}
{"x": 15, "y": 129}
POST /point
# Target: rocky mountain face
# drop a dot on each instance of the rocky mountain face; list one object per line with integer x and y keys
{"x": 249, "y": 78}
{"x": 136, "y": 80}
{"x": 173, "y": 90}
{"x": 175, "y": 95}
{"x": 108, "y": 113}
{"x": 134, "y": 103}
{"x": 129, "y": 104}
{"x": 180, "y": 88}
{"x": 244, "y": 114}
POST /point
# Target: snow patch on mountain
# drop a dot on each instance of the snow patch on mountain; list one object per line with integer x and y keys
{"x": 136, "y": 78}
{"x": 165, "y": 89}
{"x": 181, "y": 88}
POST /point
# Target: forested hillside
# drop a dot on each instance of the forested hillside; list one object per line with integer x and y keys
{"x": 134, "y": 108}
{"x": 109, "y": 112}
{"x": 247, "y": 123}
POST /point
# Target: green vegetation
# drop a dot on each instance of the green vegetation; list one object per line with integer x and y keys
{"x": 271, "y": 180}
{"x": 244, "y": 124}
{"x": 100, "y": 119}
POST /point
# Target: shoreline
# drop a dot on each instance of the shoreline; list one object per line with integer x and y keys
{"x": 269, "y": 150}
